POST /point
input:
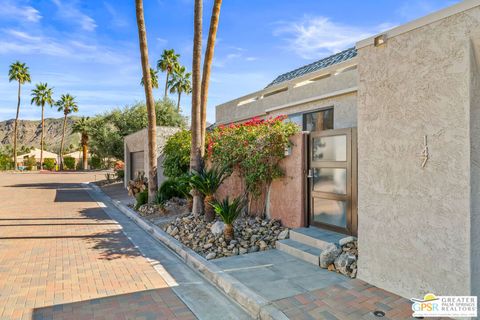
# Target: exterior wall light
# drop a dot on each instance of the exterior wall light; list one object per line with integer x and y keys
{"x": 379, "y": 40}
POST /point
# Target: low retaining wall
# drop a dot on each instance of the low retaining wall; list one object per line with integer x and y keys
{"x": 285, "y": 199}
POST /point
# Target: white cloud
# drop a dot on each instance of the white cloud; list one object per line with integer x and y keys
{"x": 313, "y": 37}
{"x": 69, "y": 11}
{"x": 14, "y": 11}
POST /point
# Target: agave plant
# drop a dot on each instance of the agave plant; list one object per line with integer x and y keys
{"x": 228, "y": 211}
{"x": 174, "y": 187}
{"x": 207, "y": 181}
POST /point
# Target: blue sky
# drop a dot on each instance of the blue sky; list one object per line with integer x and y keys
{"x": 90, "y": 49}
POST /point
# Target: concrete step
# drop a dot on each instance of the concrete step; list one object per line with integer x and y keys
{"x": 315, "y": 237}
{"x": 300, "y": 250}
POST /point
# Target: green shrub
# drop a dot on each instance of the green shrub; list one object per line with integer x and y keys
{"x": 120, "y": 174}
{"x": 69, "y": 163}
{"x": 6, "y": 162}
{"x": 49, "y": 163}
{"x": 95, "y": 163}
{"x": 30, "y": 163}
{"x": 142, "y": 198}
{"x": 176, "y": 154}
{"x": 174, "y": 187}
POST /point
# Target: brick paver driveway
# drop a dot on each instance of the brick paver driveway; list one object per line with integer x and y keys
{"x": 62, "y": 257}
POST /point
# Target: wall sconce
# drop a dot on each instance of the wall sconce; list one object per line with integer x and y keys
{"x": 288, "y": 151}
{"x": 379, "y": 40}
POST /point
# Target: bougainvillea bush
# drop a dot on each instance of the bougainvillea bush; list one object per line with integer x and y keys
{"x": 253, "y": 148}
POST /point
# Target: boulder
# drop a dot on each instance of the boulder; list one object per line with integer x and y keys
{"x": 343, "y": 263}
{"x": 217, "y": 228}
{"x": 346, "y": 240}
{"x": 329, "y": 255}
{"x": 283, "y": 235}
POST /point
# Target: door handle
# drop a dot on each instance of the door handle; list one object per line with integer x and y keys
{"x": 310, "y": 173}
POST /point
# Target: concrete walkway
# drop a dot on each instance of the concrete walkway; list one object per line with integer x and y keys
{"x": 66, "y": 256}
{"x": 304, "y": 291}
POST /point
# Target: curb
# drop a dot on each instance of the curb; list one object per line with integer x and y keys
{"x": 257, "y": 306}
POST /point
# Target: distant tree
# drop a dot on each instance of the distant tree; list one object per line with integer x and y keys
{"x": 154, "y": 77}
{"x": 180, "y": 83}
{"x": 67, "y": 105}
{"x": 83, "y": 127}
{"x": 168, "y": 63}
{"x": 41, "y": 96}
{"x": 18, "y": 72}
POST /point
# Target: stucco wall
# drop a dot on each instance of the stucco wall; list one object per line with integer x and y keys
{"x": 414, "y": 222}
{"x": 138, "y": 141}
{"x": 475, "y": 162}
{"x": 232, "y": 112}
{"x": 285, "y": 199}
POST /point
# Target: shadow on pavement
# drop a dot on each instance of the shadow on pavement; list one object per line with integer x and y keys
{"x": 149, "y": 304}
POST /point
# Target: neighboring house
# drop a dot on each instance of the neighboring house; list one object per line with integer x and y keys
{"x": 36, "y": 153}
{"x": 136, "y": 152}
{"x": 401, "y": 109}
{"x": 77, "y": 155}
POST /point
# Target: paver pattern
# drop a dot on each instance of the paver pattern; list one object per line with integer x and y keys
{"x": 62, "y": 257}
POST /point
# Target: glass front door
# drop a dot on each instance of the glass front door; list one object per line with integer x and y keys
{"x": 332, "y": 180}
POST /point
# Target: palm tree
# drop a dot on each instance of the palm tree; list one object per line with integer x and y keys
{"x": 154, "y": 77}
{"x": 207, "y": 67}
{"x": 168, "y": 63}
{"x": 41, "y": 96}
{"x": 180, "y": 83}
{"x": 67, "y": 105}
{"x": 152, "y": 126}
{"x": 83, "y": 126}
{"x": 18, "y": 72}
{"x": 195, "y": 153}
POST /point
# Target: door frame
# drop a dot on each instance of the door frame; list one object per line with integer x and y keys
{"x": 350, "y": 165}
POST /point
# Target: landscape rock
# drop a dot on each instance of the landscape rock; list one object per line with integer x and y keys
{"x": 329, "y": 255}
{"x": 217, "y": 228}
{"x": 283, "y": 235}
{"x": 342, "y": 242}
{"x": 343, "y": 263}
{"x": 210, "y": 256}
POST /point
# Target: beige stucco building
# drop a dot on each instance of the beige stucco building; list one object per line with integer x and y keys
{"x": 391, "y": 150}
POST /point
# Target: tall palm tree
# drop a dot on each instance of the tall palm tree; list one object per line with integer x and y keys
{"x": 154, "y": 77}
{"x": 152, "y": 125}
{"x": 67, "y": 105}
{"x": 168, "y": 63}
{"x": 18, "y": 72}
{"x": 83, "y": 126}
{"x": 196, "y": 129}
{"x": 180, "y": 83}
{"x": 207, "y": 67}
{"x": 41, "y": 96}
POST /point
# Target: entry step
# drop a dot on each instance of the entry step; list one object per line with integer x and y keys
{"x": 300, "y": 250}
{"x": 316, "y": 237}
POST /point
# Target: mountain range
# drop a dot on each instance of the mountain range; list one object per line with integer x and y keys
{"x": 29, "y": 132}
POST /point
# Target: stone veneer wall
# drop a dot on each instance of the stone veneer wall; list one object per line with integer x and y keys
{"x": 415, "y": 227}
{"x": 285, "y": 199}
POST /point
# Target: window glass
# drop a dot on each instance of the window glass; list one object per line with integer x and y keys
{"x": 332, "y": 180}
{"x": 331, "y": 212}
{"x": 320, "y": 120}
{"x": 296, "y": 118}
{"x": 330, "y": 148}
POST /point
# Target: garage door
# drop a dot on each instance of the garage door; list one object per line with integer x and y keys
{"x": 136, "y": 159}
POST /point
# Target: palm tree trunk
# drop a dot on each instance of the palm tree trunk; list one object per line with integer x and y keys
{"x": 15, "y": 130}
{"x": 41, "y": 138}
{"x": 178, "y": 102}
{"x": 207, "y": 67}
{"x": 61, "y": 143}
{"x": 84, "y": 156}
{"x": 152, "y": 126}
{"x": 166, "y": 84}
{"x": 195, "y": 152}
